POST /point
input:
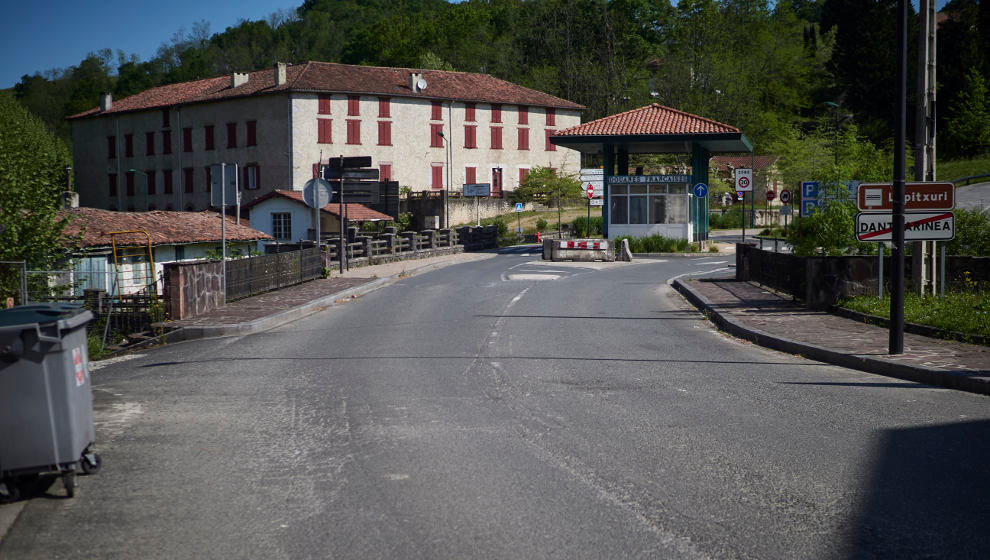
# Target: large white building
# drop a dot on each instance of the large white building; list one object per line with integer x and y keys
{"x": 154, "y": 149}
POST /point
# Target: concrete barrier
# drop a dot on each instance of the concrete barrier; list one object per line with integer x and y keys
{"x": 584, "y": 250}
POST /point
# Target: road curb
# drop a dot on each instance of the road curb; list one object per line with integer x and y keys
{"x": 938, "y": 378}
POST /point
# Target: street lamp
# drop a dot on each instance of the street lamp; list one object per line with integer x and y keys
{"x": 446, "y": 196}
{"x": 147, "y": 195}
{"x": 835, "y": 130}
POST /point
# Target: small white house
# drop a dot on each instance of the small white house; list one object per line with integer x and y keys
{"x": 285, "y": 217}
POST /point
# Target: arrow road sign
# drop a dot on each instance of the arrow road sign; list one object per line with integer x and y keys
{"x": 700, "y": 190}
{"x": 349, "y": 162}
{"x": 918, "y": 226}
{"x": 917, "y": 196}
{"x": 331, "y": 173}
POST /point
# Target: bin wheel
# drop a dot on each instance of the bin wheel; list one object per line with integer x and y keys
{"x": 90, "y": 463}
{"x": 69, "y": 482}
{"x": 9, "y": 492}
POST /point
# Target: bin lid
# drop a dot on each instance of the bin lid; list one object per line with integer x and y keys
{"x": 42, "y": 313}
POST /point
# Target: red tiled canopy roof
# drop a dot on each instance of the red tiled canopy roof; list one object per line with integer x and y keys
{"x": 164, "y": 227}
{"x": 355, "y": 212}
{"x": 650, "y": 120}
{"x": 758, "y": 163}
{"x": 328, "y": 77}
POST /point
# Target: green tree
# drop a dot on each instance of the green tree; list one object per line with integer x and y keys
{"x": 968, "y": 129}
{"x": 972, "y": 235}
{"x": 544, "y": 185}
{"x": 32, "y": 176}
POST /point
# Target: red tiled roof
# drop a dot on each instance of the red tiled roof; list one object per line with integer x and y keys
{"x": 328, "y": 77}
{"x": 653, "y": 119}
{"x": 355, "y": 212}
{"x": 164, "y": 227}
{"x": 758, "y": 163}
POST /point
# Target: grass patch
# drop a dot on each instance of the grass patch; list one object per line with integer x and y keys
{"x": 952, "y": 170}
{"x": 965, "y": 312}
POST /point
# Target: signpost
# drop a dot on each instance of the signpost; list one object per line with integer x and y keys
{"x": 476, "y": 190}
{"x": 918, "y": 226}
{"x": 223, "y": 187}
{"x": 744, "y": 184}
{"x": 519, "y": 209}
{"x": 316, "y": 195}
{"x": 917, "y": 197}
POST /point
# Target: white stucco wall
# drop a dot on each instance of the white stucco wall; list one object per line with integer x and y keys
{"x": 301, "y": 218}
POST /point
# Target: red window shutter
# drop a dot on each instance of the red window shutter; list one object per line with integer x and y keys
{"x": 149, "y": 143}
{"x": 208, "y": 137}
{"x": 165, "y": 119}
{"x": 437, "y": 114}
{"x": 470, "y": 136}
{"x": 385, "y": 172}
{"x": 129, "y": 182}
{"x": 324, "y": 105}
{"x": 187, "y": 139}
{"x": 384, "y": 107}
{"x": 384, "y": 133}
{"x": 111, "y": 147}
{"x": 187, "y": 179}
{"x": 167, "y": 181}
{"x": 128, "y": 145}
{"x": 470, "y": 175}
{"x": 353, "y": 131}
{"x": 231, "y": 135}
{"x": 523, "y": 114}
{"x": 551, "y": 116}
{"x": 252, "y": 133}
{"x": 469, "y": 111}
{"x": 316, "y": 170}
{"x": 209, "y": 178}
{"x": 496, "y": 138}
{"x": 437, "y": 177}
{"x": 523, "y": 173}
{"x": 353, "y": 105}
{"x": 112, "y": 184}
{"x": 551, "y": 147}
{"x": 324, "y": 131}
{"x": 496, "y": 112}
{"x": 150, "y": 174}
{"x": 435, "y": 140}
{"x": 166, "y": 142}
{"x": 523, "y": 139}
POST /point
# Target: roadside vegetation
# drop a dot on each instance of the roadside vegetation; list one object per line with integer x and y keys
{"x": 966, "y": 311}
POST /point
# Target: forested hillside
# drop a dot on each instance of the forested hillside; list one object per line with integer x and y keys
{"x": 767, "y": 67}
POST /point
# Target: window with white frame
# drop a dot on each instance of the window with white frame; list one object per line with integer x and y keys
{"x": 648, "y": 204}
{"x": 282, "y": 225}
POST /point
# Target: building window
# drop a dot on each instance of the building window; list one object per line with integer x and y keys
{"x": 470, "y": 175}
{"x": 111, "y": 147}
{"x": 129, "y": 183}
{"x": 323, "y": 131}
{"x": 436, "y": 141}
{"x": 523, "y": 142}
{"x": 551, "y": 116}
{"x": 384, "y": 133}
{"x": 187, "y": 179}
{"x": 209, "y": 178}
{"x": 167, "y": 181}
{"x": 112, "y": 184}
{"x": 231, "y": 135}
{"x": 252, "y": 176}
{"x": 180, "y": 252}
{"x": 324, "y": 105}
{"x": 149, "y": 175}
{"x": 523, "y": 173}
{"x": 384, "y": 108}
{"x": 208, "y": 137}
{"x": 436, "y": 177}
{"x": 496, "y": 181}
{"x": 437, "y": 114}
{"x": 187, "y": 139}
{"x": 523, "y": 114}
{"x": 252, "y": 133}
{"x": 282, "y": 225}
{"x": 551, "y": 147}
{"x": 648, "y": 204}
{"x": 470, "y": 136}
{"x": 496, "y": 113}
{"x": 128, "y": 145}
{"x": 469, "y": 111}
{"x": 149, "y": 143}
{"x": 353, "y": 131}
{"x": 353, "y": 105}
{"x": 385, "y": 172}
{"x": 496, "y": 138}
{"x": 166, "y": 142}
{"x": 165, "y": 119}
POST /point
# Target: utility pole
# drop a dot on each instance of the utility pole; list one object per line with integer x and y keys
{"x": 896, "y": 338}
{"x": 922, "y": 259}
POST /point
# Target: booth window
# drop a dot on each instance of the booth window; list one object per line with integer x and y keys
{"x": 619, "y": 205}
{"x": 648, "y": 204}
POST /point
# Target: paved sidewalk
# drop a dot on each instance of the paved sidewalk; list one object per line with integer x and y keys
{"x": 271, "y": 309}
{"x": 749, "y": 311}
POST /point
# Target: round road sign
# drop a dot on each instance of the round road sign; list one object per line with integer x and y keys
{"x": 591, "y": 190}
{"x": 771, "y": 195}
{"x": 700, "y": 190}
{"x": 743, "y": 182}
{"x": 785, "y": 196}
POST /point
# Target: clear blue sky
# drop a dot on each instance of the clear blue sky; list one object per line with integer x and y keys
{"x": 59, "y": 33}
{"x": 35, "y": 37}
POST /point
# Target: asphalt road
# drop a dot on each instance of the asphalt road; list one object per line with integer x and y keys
{"x": 512, "y": 408}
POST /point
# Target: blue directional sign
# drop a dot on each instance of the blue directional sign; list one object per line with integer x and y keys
{"x": 700, "y": 190}
{"x": 519, "y": 207}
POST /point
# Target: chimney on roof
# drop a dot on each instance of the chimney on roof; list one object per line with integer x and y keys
{"x": 106, "y": 101}
{"x": 238, "y": 79}
{"x": 414, "y": 82}
{"x": 70, "y": 199}
{"x": 279, "y": 73}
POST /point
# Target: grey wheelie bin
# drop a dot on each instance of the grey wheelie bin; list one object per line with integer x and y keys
{"x": 46, "y": 404}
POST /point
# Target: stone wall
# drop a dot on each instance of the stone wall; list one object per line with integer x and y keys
{"x": 193, "y": 288}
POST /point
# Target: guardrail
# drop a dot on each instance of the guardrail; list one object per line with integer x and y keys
{"x": 970, "y": 178}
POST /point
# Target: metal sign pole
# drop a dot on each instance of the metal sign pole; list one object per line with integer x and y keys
{"x": 896, "y": 337}
{"x": 880, "y": 271}
{"x": 223, "y": 228}
{"x": 343, "y": 246}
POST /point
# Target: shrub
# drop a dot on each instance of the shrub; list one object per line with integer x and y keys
{"x": 658, "y": 244}
{"x": 541, "y": 225}
{"x": 581, "y": 228}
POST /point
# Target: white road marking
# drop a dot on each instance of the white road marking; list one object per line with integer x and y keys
{"x": 93, "y": 366}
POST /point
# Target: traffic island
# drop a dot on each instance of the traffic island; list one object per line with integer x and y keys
{"x": 582, "y": 250}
